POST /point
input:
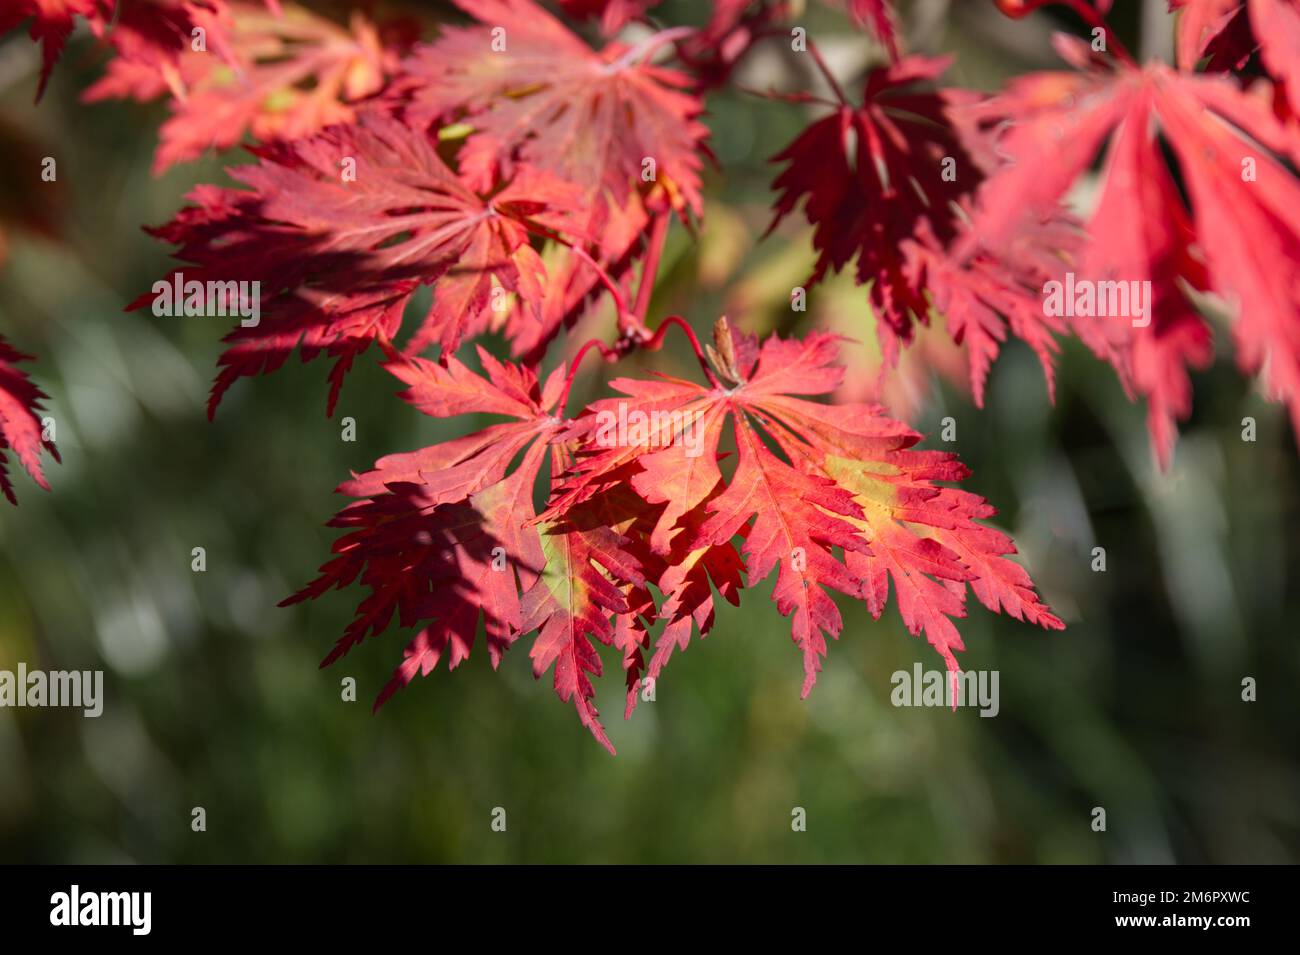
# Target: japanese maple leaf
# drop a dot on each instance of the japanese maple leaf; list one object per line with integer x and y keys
{"x": 871, "y": 177}
{"x": 1226, "y": 33}
{"x": 446, "y": 536}
{"x": 1219, "y": 29}
{"x": 51, "y": 25}
{"x": 1277, "y": 24}
{"x": 685, "y": 574}
{"x": 20, "y": 423}
{"x": 711, "y": 53}
{"x": 593, "y": 584}
{"x": 536, "y": 96}
{"x": 340, "y": 230}
{"x": 149, "y": 36}
{"x": 809, "y": 479}
{"x": 153, "y": 42}
{"x": 984, "y": 297}
{"x": 613, "y": 14}
{"x": 1020, "y": 8}
{"x": 877, "y": 16}
{"x": 1240, "y": 237}
{"x": 277, "y": 76}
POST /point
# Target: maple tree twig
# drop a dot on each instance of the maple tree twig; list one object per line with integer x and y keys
{"x": 1092, "y": 16}
{"x": 648, "y": 46}
{"x": 800, "y": 97}
{"x": 627, "y": 322}
{"x": 659, "y": 231}
{"x": 619, "y": 301}
{"x": 826, "y": 72}
{"x": 627, "y": 343}
{"x": 655, "y": 342}
{"x": 607, "y": 352}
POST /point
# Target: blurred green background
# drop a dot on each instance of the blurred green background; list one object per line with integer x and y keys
{"x": 214, "y": 698}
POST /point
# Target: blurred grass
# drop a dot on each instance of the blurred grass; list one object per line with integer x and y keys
{"x": 214, "y": 698}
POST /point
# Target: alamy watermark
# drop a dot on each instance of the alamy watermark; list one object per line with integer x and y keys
{"x": 636, "y": 428}
{"x": 62, "y": 688}
{"x": 1085, "y": 298}
{"x": 76, "y": 908}
{"x": 922, "y": 687}
{"x": 178, "y": 297}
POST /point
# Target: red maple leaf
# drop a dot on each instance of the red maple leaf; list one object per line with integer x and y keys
{"x": 984, "y": 297}
{"x": 149, "y": 40}
{"x": 161, "y": 46}
{"x": 20, "y": 424}
{"x": 536, "y": 96}
{"x": 877, "y": 16}
{"x": 341, "y": 229}
{"x": 148, "y": 35}
{"x": 446, "y": 536}
{"x": 1227, "y": 33}
{"x": 1020, "y": 8}
{"x": 1218, "y": 29}
{"x": 52, "y": 23}
{"x": 278, "y": 74}
{"x": 1239, "y": 236}
{"x": 809, "y": 479}
{"x": 1277, "y": 24}
{"x": 613, "y": 14}
{"x": 506, "y": 135}
{"x": 888, "y": 184}
{"x": 878, "y": 175}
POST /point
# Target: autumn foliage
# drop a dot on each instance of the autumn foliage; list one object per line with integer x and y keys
{"x": 20, "y": 426}
{"x": 524, "y": 165}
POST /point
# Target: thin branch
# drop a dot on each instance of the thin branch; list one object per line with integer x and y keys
{"x": 655, "y": 342}
{"x": 1093, "y": 18}
{"x": 610, "y": 354}
{"x": 826, "y": 72}
{"x": 627, "y": 344}
{"x": 799, "y": 98}
{"x": 647, "y": 46}
{"x": 615, "y": 292}
{"x": 658, "y": 233}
